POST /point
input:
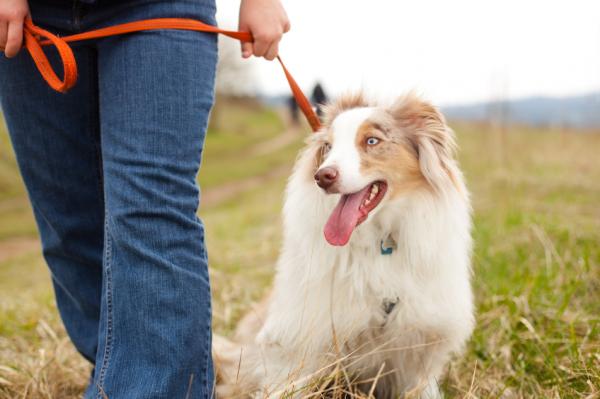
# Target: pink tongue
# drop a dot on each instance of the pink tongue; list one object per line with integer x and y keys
{"x": 344, "y": 218}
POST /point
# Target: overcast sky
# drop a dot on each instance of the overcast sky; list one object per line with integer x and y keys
{"x": 450, "y": 51}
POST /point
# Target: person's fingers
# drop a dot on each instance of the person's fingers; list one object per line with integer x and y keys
{"x": 14, "y": 39}
{"x": 261, "y": 45}
{"x": 272, "y": 51}
{"x": 247, "y": 49}
{"x": 3, "y": 34}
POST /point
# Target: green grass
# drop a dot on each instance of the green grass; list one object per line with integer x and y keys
{"x": 9, "y": 179}
{"x": 15, "y": 213}
{"x": 536, "y": 261}
{"x": 227, "y": 145}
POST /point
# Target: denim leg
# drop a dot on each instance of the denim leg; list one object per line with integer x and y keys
{"x": 56, "y": 141}
{"x": 156, "y": 91}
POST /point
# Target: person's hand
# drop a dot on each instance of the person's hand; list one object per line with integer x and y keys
{"x": 267, "y": 21}
{"x": 12, "y": 16}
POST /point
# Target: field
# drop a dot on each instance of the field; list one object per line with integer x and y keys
{"x": 536, "y": 196}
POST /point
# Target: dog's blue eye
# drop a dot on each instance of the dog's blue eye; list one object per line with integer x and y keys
{"x": 372, "y": 140}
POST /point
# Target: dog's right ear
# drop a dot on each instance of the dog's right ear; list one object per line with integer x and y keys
{"x": 318, "y": 146}
{"x": 431, "y": 138}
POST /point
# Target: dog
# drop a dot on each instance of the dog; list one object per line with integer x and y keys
{"x": 373, "y": 279}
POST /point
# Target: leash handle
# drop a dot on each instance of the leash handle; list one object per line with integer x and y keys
{"x": 31, "y": 35}
{"x": 36, "y": 37}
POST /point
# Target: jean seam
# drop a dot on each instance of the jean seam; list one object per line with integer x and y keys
{"x": 95, "y": 123}
{"x": 208, "y": 345}
{"x": 109, "y": 315}
{"x": 209, "y": 385}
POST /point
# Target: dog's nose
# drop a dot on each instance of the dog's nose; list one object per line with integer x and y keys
{"x": 325, "y": 177}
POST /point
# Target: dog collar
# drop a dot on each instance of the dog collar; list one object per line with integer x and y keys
{"x": 387, "y": 246}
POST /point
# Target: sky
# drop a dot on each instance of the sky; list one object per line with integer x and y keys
{"x": 449, "y": 51}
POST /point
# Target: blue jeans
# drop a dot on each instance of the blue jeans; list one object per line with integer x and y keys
{"x": 110, "y": 169}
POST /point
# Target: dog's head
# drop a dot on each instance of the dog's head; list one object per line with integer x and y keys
{"x": 372, "y": 155}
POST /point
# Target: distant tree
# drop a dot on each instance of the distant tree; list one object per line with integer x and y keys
{"x": 235, "y": 76}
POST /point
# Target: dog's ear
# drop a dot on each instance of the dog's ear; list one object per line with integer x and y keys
{"x": 316, "y": 149}
{"x": 431, "y": 138}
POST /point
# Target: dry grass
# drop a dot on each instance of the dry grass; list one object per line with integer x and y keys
{"x": 50, "y": 368}
{"x": 536, "y": 265}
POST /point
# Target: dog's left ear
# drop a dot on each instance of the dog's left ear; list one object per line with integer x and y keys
{"x": 432, "y": 139}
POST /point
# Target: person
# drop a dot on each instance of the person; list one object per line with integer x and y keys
{"x": 319, "y": 98}
{"x": 110, "y": 170}
{"x": 294, "y": 111}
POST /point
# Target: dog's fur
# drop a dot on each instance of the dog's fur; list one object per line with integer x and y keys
{"x": 395, "y": 317}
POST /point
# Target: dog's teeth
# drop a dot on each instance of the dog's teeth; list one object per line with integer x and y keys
{"x": 372, "y": 194}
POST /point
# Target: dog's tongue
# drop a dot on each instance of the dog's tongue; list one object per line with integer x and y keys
{"x": 344, "y": 218}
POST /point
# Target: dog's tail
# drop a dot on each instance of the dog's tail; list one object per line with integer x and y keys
{"x": 232, "y": 369}
{"x": 236, "y": 360}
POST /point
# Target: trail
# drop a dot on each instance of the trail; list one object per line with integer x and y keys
{"x": 17, "y": 247}
{"x": 281, "y": 141}
{"x": 227, "y": 191}
{"x": 13, "y": 248}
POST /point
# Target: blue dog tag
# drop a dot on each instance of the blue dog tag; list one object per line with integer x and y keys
{"x": 386, "y": 250}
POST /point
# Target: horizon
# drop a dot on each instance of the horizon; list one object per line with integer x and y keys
{"x": 466, "y": 51}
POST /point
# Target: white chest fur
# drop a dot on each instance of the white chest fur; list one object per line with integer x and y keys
{"x": 331, "y": 301}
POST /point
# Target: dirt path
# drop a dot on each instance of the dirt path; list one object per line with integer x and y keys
{"x": 227, "y": 191}
{"x": 15, "y": 247}
{"x": 230, "y": 190}
{"x": 281, "y": 141}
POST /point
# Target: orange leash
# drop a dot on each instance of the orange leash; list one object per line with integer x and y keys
{"x": 33, "y": 34}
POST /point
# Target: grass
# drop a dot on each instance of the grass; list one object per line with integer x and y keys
{"x": 536, "y": 261}
{"x": 229, "y": 141}
{"x": 537, "y": 265}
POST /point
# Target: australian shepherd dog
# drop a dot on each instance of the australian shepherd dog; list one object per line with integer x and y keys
{"x": 373, "y": 279}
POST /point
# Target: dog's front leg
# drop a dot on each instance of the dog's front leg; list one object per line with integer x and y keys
{"x": 431, "y": 391}
{"x": 283, "y": 373}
